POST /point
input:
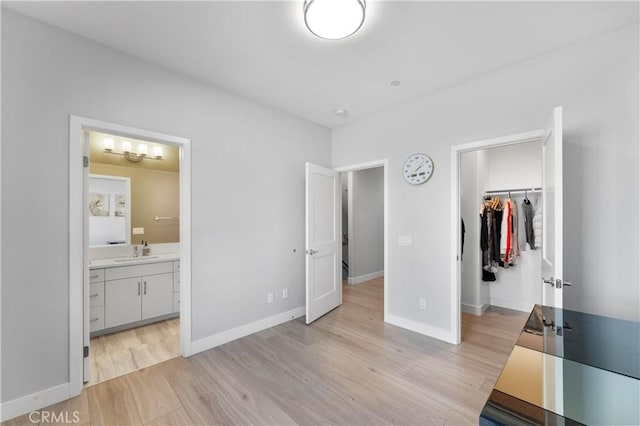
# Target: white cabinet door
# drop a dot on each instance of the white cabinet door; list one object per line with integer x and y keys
{"x": 122, "y": 301}
{"x": 157, "y": 295}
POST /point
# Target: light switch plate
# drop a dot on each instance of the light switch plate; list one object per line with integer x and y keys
{"x": 137, "y": 231}
{"x": 405, "y": 240}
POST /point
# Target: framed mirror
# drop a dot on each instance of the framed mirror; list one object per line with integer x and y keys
{"x": 109, "y": 205}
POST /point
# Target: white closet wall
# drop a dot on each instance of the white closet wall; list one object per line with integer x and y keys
{"x": 511, "y": 167}
{"x": 475, "y": 297}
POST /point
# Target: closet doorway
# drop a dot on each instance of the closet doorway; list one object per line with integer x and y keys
{"x": 507, "y": 258}
{"x": 500, "y": 185}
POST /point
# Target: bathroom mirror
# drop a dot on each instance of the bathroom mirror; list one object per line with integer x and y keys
{"x": 154, "y": 207}
{"x": 109, "y": 205}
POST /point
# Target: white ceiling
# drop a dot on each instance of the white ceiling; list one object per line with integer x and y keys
{"x": 262, "y": 51}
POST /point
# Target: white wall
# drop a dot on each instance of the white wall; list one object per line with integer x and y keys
{"x": 470, "y": 188}
{"x": 597, "y": 84}
{"x": 514, "y": 166}
{"x": 367, "y": 219}
{"x": 247, "y": 190}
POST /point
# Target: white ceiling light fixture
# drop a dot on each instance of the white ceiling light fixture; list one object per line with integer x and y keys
{"x": 334, "y": 19}
{"x": 341, "y": 112}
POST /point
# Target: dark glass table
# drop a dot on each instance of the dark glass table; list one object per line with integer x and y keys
{"x": 569, "y": 368}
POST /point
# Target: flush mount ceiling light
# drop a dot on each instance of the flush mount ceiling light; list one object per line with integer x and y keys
{"x": 129, "y": 154}
{"x": 341, "y": 112}
{"x": 334, "y": 19}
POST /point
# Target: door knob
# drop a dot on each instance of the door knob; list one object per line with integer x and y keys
{"x": 567, "y": 284}
{"x": 312, "y": 251}
{"x": 550, "y": 281}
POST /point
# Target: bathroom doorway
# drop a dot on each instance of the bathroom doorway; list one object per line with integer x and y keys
{"x": 130, "y": 261}
{"x": 134, "y": 254}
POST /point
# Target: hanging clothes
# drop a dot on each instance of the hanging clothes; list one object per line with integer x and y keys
{"x": 489, "y": 243}
{"x": 499, "y": 236}
{"x": 509, "y": 249}
{"x": 505, "y": 233}
{"x": 515, "y": 240}
{"x": 537, "y": 225}
{"x": 527, "y": 210}
{"x": 462, "y": 242}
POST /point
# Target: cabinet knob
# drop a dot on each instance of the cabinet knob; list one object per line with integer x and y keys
{"x": 93, "y": 276}
{"x": 93, "y": 295}
{"x": 94, "y": 319}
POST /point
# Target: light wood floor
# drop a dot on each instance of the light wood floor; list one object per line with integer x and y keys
{"x": 116, "y": 354}
{"x": 347, "y": 368}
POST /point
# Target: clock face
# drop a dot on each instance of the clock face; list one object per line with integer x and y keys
{"x": 417, "y": 169}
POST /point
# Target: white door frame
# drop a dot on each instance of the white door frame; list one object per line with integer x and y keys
{"x": 385, "y": 167}
{"x": 456, "y": 151}
{"x": 76, "y": 235}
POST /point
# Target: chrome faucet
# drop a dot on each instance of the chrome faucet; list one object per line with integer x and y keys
{"x": 135, "y": 251}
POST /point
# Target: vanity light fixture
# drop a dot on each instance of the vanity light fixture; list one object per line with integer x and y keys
{"x": 334, "y": 19}
{"x": 129, "y": 154}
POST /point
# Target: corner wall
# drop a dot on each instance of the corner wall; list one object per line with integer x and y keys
{"x": 601, "y": 128}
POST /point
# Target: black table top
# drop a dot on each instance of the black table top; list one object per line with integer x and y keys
{"x": 569, "y": 367}
{"x": 607, "y": 343}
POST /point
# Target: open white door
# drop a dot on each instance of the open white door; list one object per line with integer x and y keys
{"x": 552, "y": 251}
{"x": 86, "y": 339}
{"x": 552, "y": 230}
{"x": 323, "y": 241}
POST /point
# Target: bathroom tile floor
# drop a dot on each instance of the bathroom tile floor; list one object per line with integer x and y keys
{"x": 116, "y": 354}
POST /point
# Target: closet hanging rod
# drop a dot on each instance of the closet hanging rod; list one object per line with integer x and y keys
{"x": 513, "y": 191}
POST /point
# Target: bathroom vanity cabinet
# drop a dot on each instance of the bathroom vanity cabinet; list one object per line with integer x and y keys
{"x": 122, "y": 297}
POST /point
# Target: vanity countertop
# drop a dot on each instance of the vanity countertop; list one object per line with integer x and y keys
{"x": 130, "y": 260}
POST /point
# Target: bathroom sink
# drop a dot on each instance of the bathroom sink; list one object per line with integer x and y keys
{"x": 129, "y": 259}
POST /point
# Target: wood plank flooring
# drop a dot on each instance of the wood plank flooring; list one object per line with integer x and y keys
{"x": 347, "y": 368}
{"x": 116, "y": 354}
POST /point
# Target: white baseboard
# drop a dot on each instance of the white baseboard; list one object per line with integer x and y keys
{"x": 245, "y": 330}
{"x": 516, "y": 305}
{"x": 35, "y": 401}
{"x": 474, "y": 309}
{"x": 366, "y": 277}
{"x": 421, "y": 328}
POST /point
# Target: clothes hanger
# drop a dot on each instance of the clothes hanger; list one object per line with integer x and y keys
{"x": 526, "y": 198}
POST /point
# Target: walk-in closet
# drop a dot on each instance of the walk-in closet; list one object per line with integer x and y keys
{"x": 501, "y": 216}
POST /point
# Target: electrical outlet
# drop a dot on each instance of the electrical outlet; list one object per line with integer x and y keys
{"x": 270, "y": 297}
{"x": 423, "y": 304}
{"x": 285, "y": 293}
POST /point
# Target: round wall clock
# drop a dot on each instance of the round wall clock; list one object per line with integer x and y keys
{"x": 417, "y": 169}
